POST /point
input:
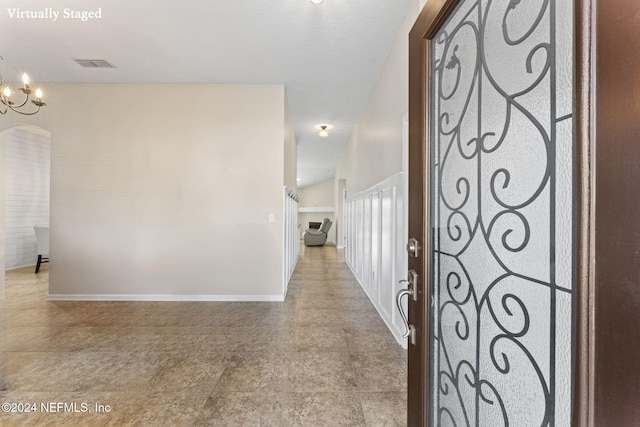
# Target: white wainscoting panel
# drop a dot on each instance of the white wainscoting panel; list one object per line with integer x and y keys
{"x": 291, "y": 236}
{"x": 367, "y": 275}
{"x": 27, "y": 172}
{"x": 375, "y": 252}
{"x": 374, "y": 241}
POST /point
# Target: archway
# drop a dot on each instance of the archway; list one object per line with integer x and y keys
{"x": 25, "y": 152}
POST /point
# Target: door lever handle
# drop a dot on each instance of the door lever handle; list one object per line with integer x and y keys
{"x": 399, "y": 295}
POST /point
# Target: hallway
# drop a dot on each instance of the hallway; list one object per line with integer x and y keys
{"x": 321, "y": 358}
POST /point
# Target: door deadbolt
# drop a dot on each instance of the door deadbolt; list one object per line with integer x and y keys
{"x": 413, "y": 247}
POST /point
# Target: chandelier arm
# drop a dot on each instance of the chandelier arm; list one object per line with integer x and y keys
{"x": 9, "y": 106}
{"x": 26, "y": 99}
{"x": 23, "y": 113}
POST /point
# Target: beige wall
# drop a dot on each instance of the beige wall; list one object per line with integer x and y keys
{"x": 318, "y": 194}
{"x": 374, "y": 151}
{"x": 290, "y": 151}
{"x": 160, "y": 189}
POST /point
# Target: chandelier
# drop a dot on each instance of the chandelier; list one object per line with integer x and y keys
{"x": 8, "y": 99}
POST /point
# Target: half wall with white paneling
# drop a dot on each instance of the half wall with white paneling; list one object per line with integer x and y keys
{"x": 291, "y": 232}
{"x": 375, "y": 236}
{"x": 27, "y": 171}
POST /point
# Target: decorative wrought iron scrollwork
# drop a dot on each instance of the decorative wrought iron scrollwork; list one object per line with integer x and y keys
{"x": 498, "y": 202}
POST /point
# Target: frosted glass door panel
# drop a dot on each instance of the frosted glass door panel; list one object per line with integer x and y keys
{"x": 501, "y": 161}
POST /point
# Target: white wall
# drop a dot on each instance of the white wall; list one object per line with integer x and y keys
{"x": 159, "y": 190}
{"x": 374, "y": 151}
{"x": 27, "y": 170}
{"x": 318, "y": 194}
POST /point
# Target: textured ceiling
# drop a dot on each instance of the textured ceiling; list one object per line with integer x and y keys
{"x": 328, "y": 55}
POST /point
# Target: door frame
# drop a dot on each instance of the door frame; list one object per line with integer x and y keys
{"x": 428, "y": 23}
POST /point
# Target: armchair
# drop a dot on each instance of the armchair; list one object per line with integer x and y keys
{"x": 317, "y": 237}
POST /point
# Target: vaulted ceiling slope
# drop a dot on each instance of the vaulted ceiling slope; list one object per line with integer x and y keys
{"x": 328, "y": 55}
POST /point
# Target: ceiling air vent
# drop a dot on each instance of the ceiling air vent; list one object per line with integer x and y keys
{"x": 94, "y": 63}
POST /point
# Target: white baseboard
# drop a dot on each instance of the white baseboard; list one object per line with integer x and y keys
{"x": 341, "y": 247}
{"x": 168, "y": 298}
{"x": 20, "y": 266}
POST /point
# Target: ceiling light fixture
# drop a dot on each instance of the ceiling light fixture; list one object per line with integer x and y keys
{"x": 7, "y": 103}
{"x": 324, "y": 130}
{"x": 317, "y": 1}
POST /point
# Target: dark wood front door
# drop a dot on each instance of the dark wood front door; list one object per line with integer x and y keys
{"x": 418, "y": 351}
{"x": 419, "y": 214}
{"x": 420, "y": 348}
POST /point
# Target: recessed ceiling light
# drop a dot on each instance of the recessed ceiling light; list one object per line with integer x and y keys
{"x": 317, "y": 1}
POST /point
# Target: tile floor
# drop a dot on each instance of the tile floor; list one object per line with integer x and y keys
{"x": 322, "y": 358}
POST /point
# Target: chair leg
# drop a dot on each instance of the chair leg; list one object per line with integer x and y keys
{"x": 39, "y": 262}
